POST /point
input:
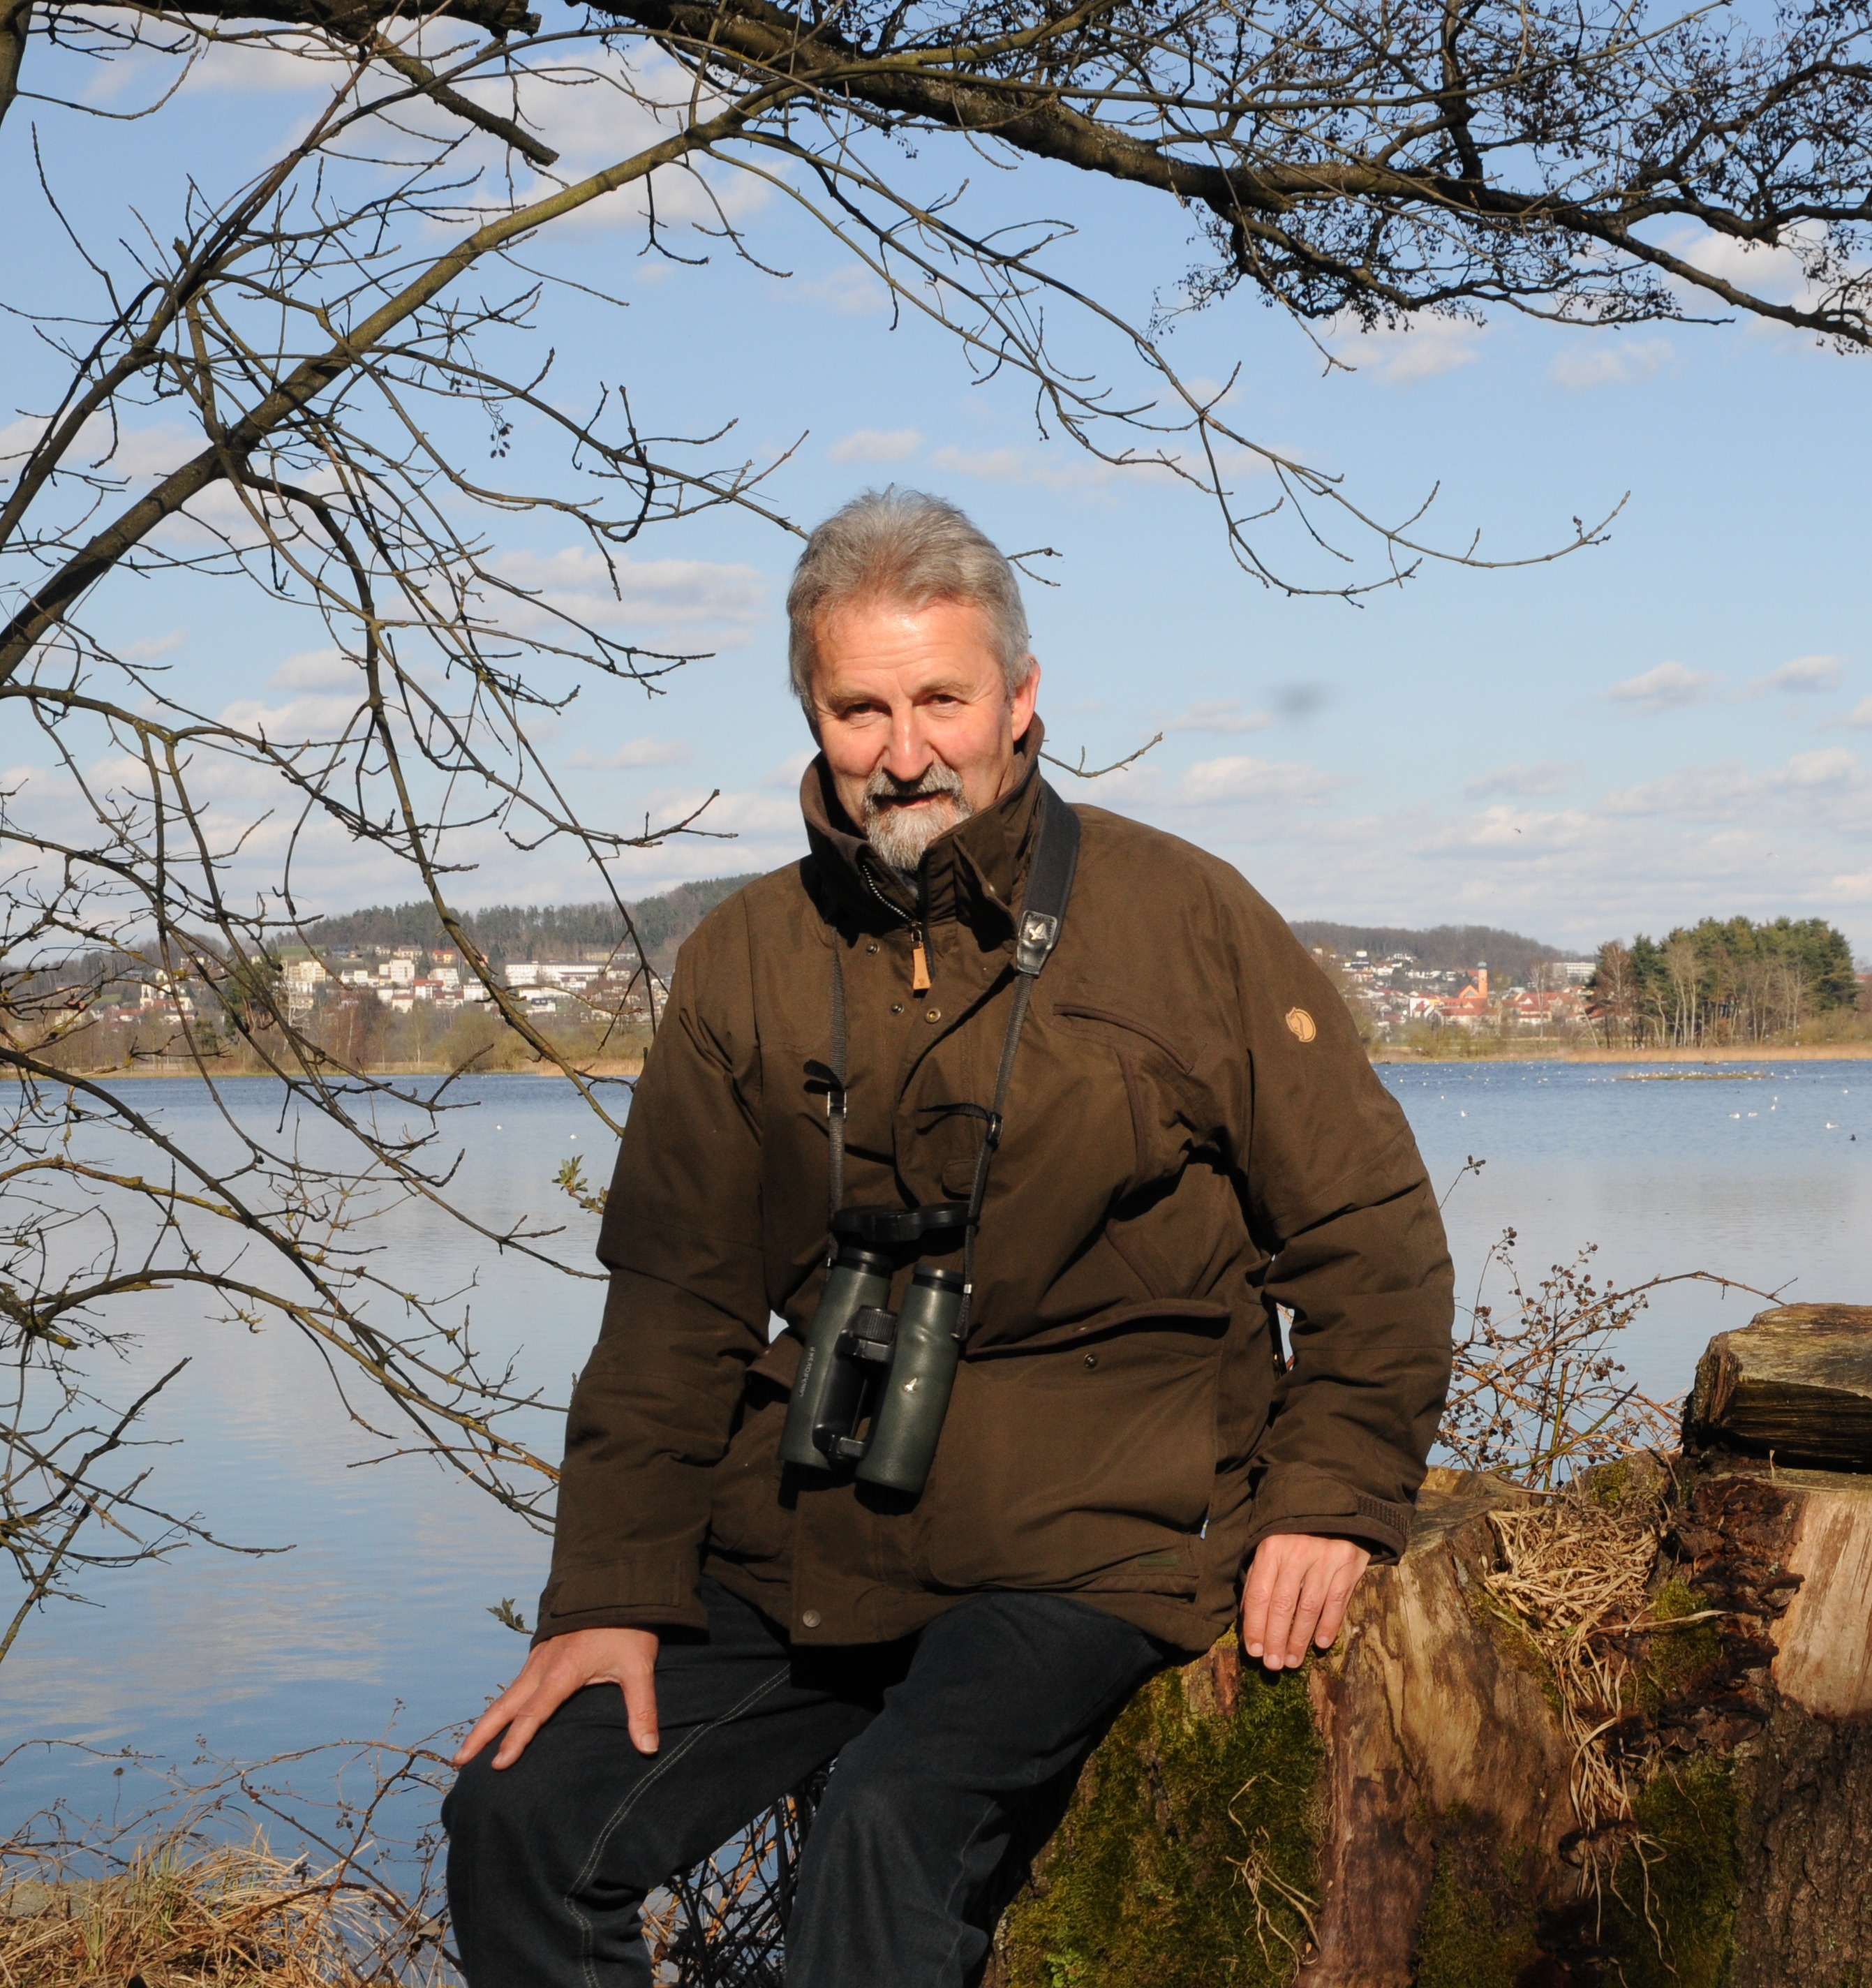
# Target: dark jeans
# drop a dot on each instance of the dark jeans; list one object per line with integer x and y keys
{"x": 941, "y": 1742}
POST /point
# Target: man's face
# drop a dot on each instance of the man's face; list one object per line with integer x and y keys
{"x": 912, "y": 712}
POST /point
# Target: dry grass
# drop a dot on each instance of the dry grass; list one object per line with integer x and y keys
{"x": 187, "y": 1892}
{"x": 183, "y": 1912}
{"x": 1575, "y": 1573}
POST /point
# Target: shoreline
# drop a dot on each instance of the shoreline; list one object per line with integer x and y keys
{"x": 1724, "y": 1052}
{"x": 143, "y": 1072}
{"x": 629, "y": 1068}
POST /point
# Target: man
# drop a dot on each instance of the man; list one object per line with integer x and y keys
{"x": 1190, "y": 1137}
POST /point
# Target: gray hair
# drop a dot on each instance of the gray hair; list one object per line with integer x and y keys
{"x": 902, "y": 546}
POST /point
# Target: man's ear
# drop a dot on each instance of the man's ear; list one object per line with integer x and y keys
{"x": 1026, "y": 697}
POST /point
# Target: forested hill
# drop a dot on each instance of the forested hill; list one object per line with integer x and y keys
{"x": 1446, "y": 948}
{"x": 537, "y": 932}
{"x": 569, "y": 931}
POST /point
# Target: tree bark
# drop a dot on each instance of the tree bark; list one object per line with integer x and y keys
{"x": 1403, "y": 1815}
{"x": 1794, "y": 1384}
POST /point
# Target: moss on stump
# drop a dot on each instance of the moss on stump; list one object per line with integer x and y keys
{"x": 1671, "y": 1922}
{"x": 1190, "y": 1848}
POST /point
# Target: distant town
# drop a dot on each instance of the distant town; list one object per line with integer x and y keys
{"x": 384, "y": 988}
{"x": 1396, "y": 991}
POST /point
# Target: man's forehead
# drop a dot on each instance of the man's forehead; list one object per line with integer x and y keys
{"x": 891, "y": 647}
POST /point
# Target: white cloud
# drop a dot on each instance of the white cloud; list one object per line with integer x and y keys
{"x": 1227, "y": 717}
{"x": 273, "y": 67}
{"x": 634, "y": 752}
{"x": 1833, "y": 767}
{"x": 791, "y": 769}
{"x": 298, "y": 718}
{"x": 316, "y": 669}
{"x": 1023, "y": 466}
{"x": 1804, "y": 677}
{"x": 1419, "y": 349}
{"x": 876, "y": 445}
{"x": 1860, "y": 715}
{"x": 150, "y": 647}
{"x": 1287, "y": 782}
{"x": 1590, "y": 364}
{"x": 596, "y": 110}
{"x": 850, "y": 291}
{"x": 138, "y": 452}
{"x": 1773, "y": 273}
{"x": 1543, "y": 776}
{"x": 719, "y": 602}
{"x": 154, "y": 451}
{"x": 1670, "y": 687}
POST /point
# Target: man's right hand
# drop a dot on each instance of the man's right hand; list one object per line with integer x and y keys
{"x": 557, "y": 1668}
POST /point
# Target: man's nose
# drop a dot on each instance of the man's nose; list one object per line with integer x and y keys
{"x": 908, "y": 756}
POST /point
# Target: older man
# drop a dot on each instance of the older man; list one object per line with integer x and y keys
{"x": 1087, "y": 1075}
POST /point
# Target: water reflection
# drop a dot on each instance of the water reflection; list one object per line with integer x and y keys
{"x": 383, "y": 1602}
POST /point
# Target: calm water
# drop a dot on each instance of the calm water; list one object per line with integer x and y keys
{"x": 380, "y": 1612}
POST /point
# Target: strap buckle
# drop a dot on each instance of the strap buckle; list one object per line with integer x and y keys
{"x": 1039, "y": 933}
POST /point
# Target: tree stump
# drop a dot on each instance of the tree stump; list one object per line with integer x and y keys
{"x": 1406, "y": 1812}
{"x": 1795, "y": 1384}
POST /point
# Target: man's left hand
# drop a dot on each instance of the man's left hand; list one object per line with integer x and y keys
{"x": 1297, "y": 1588}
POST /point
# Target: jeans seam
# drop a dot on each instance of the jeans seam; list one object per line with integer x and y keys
{"x": 618, "y": 1815}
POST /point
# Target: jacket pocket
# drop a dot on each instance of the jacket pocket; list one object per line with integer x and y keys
{"x": 1072, "y": 1009}
{"x": 747, "y": 1521}
{"x": 1084, "y": 1467}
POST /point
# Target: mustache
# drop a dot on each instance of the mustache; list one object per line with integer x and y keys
{"x": 883, "y": 787}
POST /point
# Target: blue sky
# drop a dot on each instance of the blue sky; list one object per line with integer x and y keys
{"x": 1674, "y": 723}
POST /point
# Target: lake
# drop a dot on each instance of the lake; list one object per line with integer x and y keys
{"x": 380, "y": 1612}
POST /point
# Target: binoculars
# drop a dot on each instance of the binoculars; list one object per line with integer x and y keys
{"x": 873, "y": 1384}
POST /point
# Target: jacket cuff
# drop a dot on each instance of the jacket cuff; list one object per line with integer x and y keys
{"x": 1303, "y": 1500}
{"x": 640, "y": 1590}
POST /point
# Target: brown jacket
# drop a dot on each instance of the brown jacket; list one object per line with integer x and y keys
{"x": 1193, "y": 1136}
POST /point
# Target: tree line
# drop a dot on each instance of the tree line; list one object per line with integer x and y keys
{"x": 535, "y": 931}
{"x": 1731, "y": 981}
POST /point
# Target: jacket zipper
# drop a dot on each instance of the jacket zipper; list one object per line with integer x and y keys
{"x": 919, "y": 956}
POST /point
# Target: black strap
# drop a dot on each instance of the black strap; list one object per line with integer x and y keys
{"x": 1036, "y": 933}
{"x": 835, "y": 1096}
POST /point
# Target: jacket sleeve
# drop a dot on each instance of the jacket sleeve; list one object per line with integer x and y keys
{"x": 686, "y": 1313}
{"x": 1336, "y": 1190}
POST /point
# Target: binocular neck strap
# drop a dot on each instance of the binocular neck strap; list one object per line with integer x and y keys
{"x": 1036, "y": 932}
{"x": 835, "y": 1096}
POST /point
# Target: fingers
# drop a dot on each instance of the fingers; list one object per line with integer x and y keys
{"x": 485, "y": 1728}
{"x": 557, "y": 1669}
{"x": 1267, "y": 1602}
{"x": 639, "y": 1680}
{"x": 499, "y": 1713}
{"x": 549, "y": 1692}
{"x": 1296, "y": 1592}
{"x": 1345, "y": 1577}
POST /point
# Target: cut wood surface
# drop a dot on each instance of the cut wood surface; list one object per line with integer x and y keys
{"x": 1795, "y": 1383}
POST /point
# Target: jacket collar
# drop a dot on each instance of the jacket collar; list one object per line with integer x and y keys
{"x": 976, "y": 869}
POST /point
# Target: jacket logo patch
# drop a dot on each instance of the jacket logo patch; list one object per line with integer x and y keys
{"x": 1303, "y": 1024}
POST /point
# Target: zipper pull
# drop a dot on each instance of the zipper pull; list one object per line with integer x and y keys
{"x": 919, "y": 962}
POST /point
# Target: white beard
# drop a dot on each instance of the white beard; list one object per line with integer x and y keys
{"x": 900, "y": 835}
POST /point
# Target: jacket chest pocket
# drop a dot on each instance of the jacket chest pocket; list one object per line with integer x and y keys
{"x": 1161, "y": 1087}
{"x": 1178, "y": 1224}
